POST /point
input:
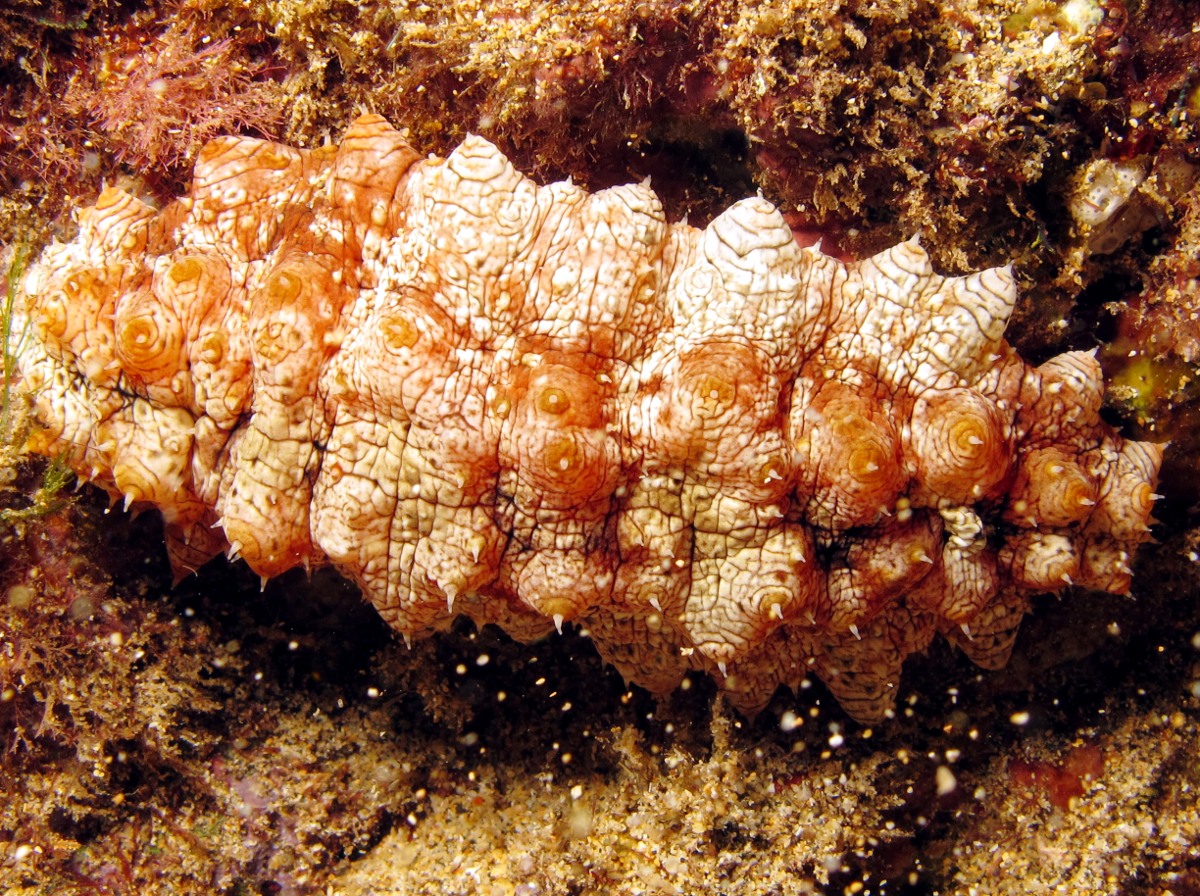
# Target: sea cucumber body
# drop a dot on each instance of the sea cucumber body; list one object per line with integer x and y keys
{"x": 473, "y": 395}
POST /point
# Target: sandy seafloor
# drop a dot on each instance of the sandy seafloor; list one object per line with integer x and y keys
{"x": 212, "y": 738}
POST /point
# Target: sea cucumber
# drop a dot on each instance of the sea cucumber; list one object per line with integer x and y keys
{"x": 709, "y": 448}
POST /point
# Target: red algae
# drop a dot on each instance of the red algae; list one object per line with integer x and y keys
{"x": 1063, "y": 781}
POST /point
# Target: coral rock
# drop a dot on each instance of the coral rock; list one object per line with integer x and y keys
{"x": 711, "y": 448}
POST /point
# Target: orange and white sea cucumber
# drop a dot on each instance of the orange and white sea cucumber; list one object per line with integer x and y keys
{"x": 710, "y": 448}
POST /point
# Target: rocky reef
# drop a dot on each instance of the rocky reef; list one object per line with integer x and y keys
{"x": 209, "y": 737}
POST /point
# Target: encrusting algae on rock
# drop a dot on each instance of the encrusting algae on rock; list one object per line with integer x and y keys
{"x": 712, "y": 449}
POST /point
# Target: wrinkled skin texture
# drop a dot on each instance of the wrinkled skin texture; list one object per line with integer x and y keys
{"x": 711, "y": 448}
